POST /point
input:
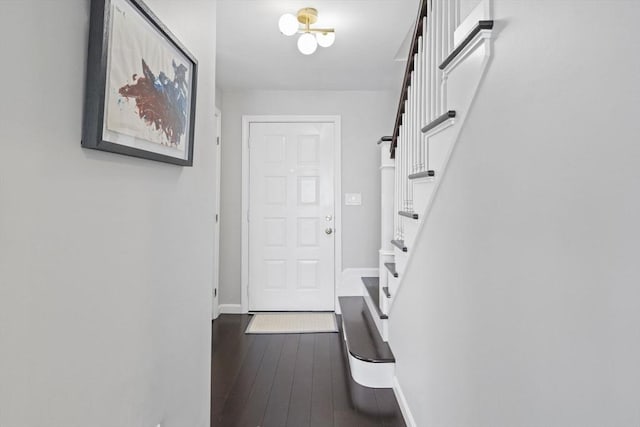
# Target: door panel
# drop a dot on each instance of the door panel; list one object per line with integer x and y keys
{"x": 291, "y": 205}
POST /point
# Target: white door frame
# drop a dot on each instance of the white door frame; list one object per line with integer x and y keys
{"x": 215, "y": 309}
{"x": 337, "y": 186}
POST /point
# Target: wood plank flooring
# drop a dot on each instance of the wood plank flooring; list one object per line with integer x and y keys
{"x": 293, "y": 380}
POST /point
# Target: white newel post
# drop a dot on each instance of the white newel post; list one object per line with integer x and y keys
{"x": 387, "y": 204}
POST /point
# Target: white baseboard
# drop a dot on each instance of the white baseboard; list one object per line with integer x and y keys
{"x": 402, "y": 402}
{"x": 230, "y": 309}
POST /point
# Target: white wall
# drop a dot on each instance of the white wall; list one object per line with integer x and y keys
{"x": 523, "y": 306}
{"x": 219, "y": 96}
{"x": 105, "y": 260}
{"x": 366, "y": 116}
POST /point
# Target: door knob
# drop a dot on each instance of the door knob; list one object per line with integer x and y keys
{"x": 328, "y": 217}
{"x": 328, "y": 230}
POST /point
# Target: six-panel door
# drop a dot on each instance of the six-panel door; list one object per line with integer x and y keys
{"x": 291, "y": 216}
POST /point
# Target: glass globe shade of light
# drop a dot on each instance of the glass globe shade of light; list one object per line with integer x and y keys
{"x": 307, "y": 44}
{"x": 326, "y": 39}
{"x": 288, "y": 24}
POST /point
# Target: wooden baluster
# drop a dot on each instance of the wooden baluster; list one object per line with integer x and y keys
{"x": 413, "y": 134}
{"x": 398, "y": 181}
{"x": 442, "y": 16}
{"x": 404, "y": 125}
{"x": 416, "y": 120}
{"x": 451, "y": 25}
{"x": 419, "y": 96}
{"x": 409, "y": 126}
{"x": 406, "y": 158}
{"x": 409, "y": 146}
{"x": 401, "y": 167}
{"x": 412, "y": 100}
{"x": 425, "y": 87}
{"x": 403, "y": 177}
{"x": 399, "y": 157}
{"x": 432, "y": 65}
{"x": 414, "y": 124}
{"x": 438, "y": 28}
{"x": 395, "y": 189}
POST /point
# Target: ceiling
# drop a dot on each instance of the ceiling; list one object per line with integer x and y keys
{"x": 253, "y": 54}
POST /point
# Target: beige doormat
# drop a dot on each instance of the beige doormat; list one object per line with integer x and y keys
{"x": 292, "y": 323}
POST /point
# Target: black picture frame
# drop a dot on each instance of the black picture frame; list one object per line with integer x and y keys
{"x": 99, "y": 97}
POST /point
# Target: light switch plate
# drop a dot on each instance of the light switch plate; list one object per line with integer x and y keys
{"x": 353, "y": 199}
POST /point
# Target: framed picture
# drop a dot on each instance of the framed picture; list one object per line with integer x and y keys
{"x": 141, "y": 85}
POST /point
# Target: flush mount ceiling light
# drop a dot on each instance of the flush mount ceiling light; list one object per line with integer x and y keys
{"x": 301, "y": 24}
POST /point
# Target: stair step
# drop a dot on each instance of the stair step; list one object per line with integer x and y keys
{"x": 399, "y": 244}
{"x": 372, "y": 284}
{"x": 424, "y": 174}
{"x": 385, "y": 290}
{"x": 363, "y": 340}
{"x": 391, "y": 266}
{"x": 443, "y": 118}
{"x": 411, "y": 215}
{"x": 482, "y": 25}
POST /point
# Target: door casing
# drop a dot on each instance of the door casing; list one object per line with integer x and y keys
{"x": 337, "y": 182}
{"x": 215, "y": 309}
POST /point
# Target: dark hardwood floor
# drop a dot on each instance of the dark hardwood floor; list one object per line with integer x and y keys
{"x": 294, "y": 380}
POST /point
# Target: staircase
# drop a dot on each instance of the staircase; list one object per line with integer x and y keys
{"x": 448, "y": 58}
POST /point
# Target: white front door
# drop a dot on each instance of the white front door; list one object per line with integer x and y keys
{"x": 291, "y": 216}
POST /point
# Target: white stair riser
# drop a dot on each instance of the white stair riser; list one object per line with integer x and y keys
{"x": 401, "y": 261}
{"x": 384, "y": 257}
{"x": 410, "y": 228}
{"x": 381, "y": 324}
{"x": 439, "y": 145}
{"x": 369, "y": 374}
{"x": 373, "y": 375}
{"x": 422, "y": 190}
{"x": 385, "y": 302}
{"x": 393, "y": 285}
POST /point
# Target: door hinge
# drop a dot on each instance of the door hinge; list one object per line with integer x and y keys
{"x": 217, "y": 140}
{"x": 215, "y": 292}
{"x": 216, "y": 218}
{"x": 247, "y": 216}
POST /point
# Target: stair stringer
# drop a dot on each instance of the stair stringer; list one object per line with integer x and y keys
{"x": 461, "y": 80}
